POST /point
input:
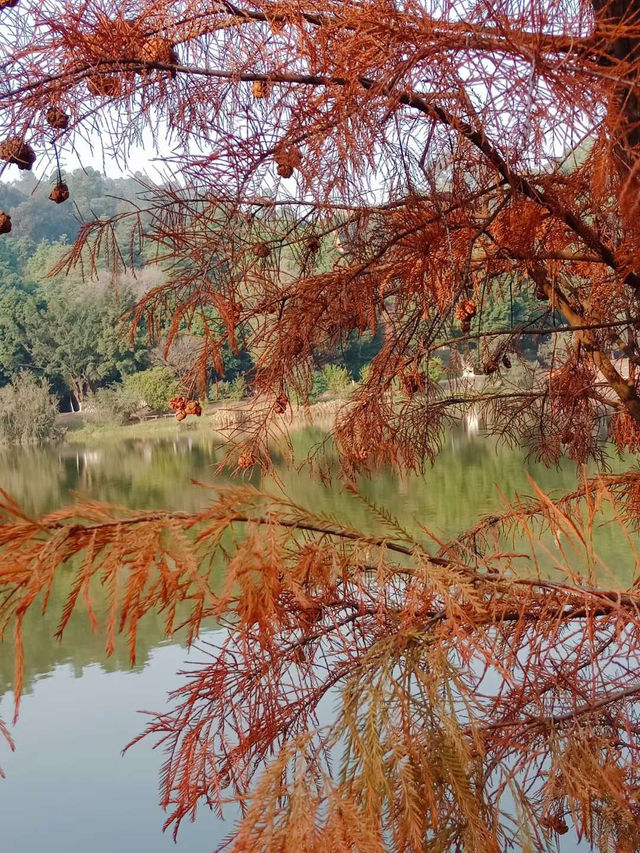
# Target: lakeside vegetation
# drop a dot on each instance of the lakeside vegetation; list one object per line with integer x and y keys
{"x": 70, "y": 333}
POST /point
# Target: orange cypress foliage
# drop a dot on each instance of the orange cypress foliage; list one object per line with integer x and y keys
{"x": 405, "y": 637}
{"x": 439, "y": 150}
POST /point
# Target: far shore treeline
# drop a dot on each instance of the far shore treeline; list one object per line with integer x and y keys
{"x": 66, "y": 342}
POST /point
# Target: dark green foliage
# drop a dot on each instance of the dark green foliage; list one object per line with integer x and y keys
{"x": 18, "y": 318}
{"x": 234, "y": 390}
{"x": 508, "y": 304}
{"x": 361, "y": 350}
{"x": 76, "y": 336}
{"x": 320, "y": 385}
{"x": 235, "y": 364}
{"x": 72, "y": 331}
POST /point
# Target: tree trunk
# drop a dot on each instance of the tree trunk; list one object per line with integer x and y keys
{"x": 76, "y": 392}
{"x": 615, "y": 16}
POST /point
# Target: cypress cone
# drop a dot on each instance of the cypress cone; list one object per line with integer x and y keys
{"x": 260, "y": 89}
{"x": 261, "y": 250}
{"x": 104, "y": 85}
{"x": 159, "y": 49}
{"x": 57, "y": 118}
{"x": 14, "y": 150}
{"x": 59, "y": 193}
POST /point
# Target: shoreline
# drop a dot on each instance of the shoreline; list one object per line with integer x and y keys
{"x": 214, "y": 420}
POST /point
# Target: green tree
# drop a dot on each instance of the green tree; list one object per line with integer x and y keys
{"x": 337, "y": 378}
{"x": 361, "y": 349}
{"x": 36, "y": 218}
{"x": 75, "y": 337}
{"x": 18, "y": 314}
{"x": 155, "y": 387}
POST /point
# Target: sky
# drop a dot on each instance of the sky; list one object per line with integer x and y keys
{"x": 141, "y": 158}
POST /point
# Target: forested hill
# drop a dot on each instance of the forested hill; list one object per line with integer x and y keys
{"x": 65, "y": 330}
{"x": 36, "y": 218}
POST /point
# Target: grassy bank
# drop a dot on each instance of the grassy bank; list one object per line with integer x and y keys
{"x": 84, "y": 432}
{"x": 214, "y": 417}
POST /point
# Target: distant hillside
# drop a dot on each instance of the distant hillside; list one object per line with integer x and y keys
{"x": 36, "y": 218}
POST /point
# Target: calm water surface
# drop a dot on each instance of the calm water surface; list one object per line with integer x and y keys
{"x": 68, "y": 787}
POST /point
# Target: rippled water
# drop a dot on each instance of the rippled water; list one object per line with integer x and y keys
{"x": 68, "y": 787}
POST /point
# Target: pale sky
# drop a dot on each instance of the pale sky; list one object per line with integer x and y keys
{"x": 139, "y": 159}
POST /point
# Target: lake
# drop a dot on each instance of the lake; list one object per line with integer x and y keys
{"x": 68, "y": 787}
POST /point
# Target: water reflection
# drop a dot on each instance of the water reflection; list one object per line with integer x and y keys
{"x": 447, "y": 499}
{"x": 68, "y": 787}
{"x": 141, "y": 473}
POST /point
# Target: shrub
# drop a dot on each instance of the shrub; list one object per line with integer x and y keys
{"x": 218, "y": 391}
{"x": 435, "y": 369}
{"x": 154, "y": 387}
{"x": 27, "y": 411}
{"x": 337, "y": 378}
{"x": 113, "y": 405}
{"x": 236, "y": 390}
{"x": 365, "y": 372}
{"x": 319, "y": 383}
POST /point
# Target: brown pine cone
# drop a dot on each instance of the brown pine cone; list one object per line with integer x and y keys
{"x": 177, "y": 403}
{"x": 246, "y": 460}
{"x": 287, "y": 158}
{"x": 281, "y": 404}
{"x": 261, "y": 250}
{"x": 540, "y": 293}
{"x": 57, "y": 118}
{"x": 104, "y": 85}
{"x": 15, "y": 151}
{"x": 59, "y": 193}
{"x": 469, "y": 307}
{"x": 159, "y": 49}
